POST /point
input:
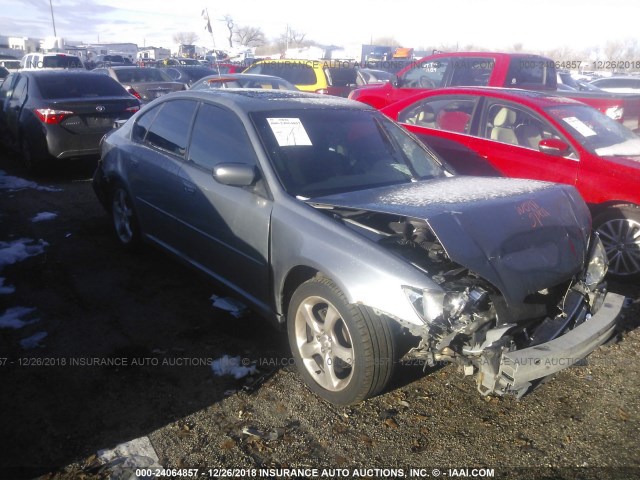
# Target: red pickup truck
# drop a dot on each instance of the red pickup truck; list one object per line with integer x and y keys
{"x": 482, "y": 69}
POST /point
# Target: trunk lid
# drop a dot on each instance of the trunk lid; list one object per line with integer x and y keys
{"x": 152, "y": 90}
{"x": 96, "y": 115}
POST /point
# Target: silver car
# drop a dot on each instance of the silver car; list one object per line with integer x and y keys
{"x": 334, "y": 222}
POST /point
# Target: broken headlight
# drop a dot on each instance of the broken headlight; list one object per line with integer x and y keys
{"x": 432, "y": 304}
{"x": 428, "y": 304}
{"x": 597, "y": 264}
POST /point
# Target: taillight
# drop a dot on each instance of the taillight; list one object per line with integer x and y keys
{"x": 131, "y": 91}
{"x": 132, "y": 109}
{"x": 51, "y": 116}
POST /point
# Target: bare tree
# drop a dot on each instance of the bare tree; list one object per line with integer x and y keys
{"x": 230, "y": 25}
{"x": 297, "y": 38}
{"x": 293, "y": 38}
{"x": 250, "y": 36}
{"x": 185, "y": 38}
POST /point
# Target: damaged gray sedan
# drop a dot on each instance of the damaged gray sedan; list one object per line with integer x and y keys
{"x": 331, "y": 220}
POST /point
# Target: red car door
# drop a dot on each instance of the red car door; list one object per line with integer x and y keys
{"x": 508, "y": 137}
{"x": 444, "y": 123}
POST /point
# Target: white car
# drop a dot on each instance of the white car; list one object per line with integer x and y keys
{"x": 38, "y": 61}
{"x": 626, "y": 84}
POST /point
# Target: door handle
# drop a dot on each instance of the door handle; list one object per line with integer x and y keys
{"x": 188, "y": 187}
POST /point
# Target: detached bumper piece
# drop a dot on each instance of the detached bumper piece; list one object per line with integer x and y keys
{"x": 516, "y": 370}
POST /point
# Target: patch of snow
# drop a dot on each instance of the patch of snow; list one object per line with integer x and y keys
{"x": 6, "y": 289}
{"x": 11, "y": 318}
{"x": 459, "y": 190}
{"x": 12, "y": 184}
{"x": 123, "y": 460}
{"x": 44, "y": 216}
{"x": 234, "y": 307}
{"x": 33, "y": 341}
{"x": 18, "y": 250}
{"x": 232, "y": 366}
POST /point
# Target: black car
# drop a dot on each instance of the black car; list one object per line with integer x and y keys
{"x": 189, "y": 74}
{"x": 48, "y": 114}
{"x": 146, "y": 84}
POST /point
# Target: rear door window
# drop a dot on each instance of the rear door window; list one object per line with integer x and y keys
{"x": 170, "y": 129}
{"x": 143, "y": 123}
{"x": 451, "y": 114}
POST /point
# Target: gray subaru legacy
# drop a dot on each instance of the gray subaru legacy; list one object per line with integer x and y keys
{"x": 333, "y": 222}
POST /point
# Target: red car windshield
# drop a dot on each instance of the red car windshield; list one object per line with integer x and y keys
{"x": 596, "y": 132}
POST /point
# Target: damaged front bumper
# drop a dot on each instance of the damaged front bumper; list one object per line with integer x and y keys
{"x": 514, "y": 371}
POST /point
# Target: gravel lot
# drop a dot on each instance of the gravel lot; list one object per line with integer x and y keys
{"x": 98, "y": 304}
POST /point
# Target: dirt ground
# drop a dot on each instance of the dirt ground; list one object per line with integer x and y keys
{"x": 64, "y": 400}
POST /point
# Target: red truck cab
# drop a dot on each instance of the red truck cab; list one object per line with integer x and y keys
{"x": 490, "y": 69}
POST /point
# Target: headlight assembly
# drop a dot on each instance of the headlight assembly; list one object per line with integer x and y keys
{"x": 433, "y": 304}
{"x": 597, "y": 264}
{"x": 428, "y": 304}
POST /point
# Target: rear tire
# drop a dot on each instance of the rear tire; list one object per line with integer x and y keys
{"x": 124, "y": 218}
{"x": 343, "y": 352}
{"x": 32, "y": 161}
{"x": 619, "y": 229}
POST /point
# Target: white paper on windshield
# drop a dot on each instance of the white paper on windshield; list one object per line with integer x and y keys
{"x": 289, "y": 131}
{"x": 580, "y": 126}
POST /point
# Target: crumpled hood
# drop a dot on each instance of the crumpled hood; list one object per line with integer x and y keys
{"x": 521, "y": 235}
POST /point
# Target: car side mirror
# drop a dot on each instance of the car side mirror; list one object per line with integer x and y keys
{"x": 554, "y": 147}
{"x": 235, "y": 174}
{"x": 395, "y": 81}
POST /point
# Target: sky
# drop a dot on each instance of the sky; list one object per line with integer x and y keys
{"x": 494, "y": 24}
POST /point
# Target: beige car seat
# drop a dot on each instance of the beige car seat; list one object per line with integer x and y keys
{"x": 503, "y": 126}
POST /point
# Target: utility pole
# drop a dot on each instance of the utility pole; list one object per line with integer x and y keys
{"x": 53, "y": 19}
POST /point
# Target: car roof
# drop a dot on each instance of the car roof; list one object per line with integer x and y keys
{"x": 617, "y": 77}
{"x": 248, "y": 76}
{"x": 529, "y": 97}
{"x": 126, "y": 67}
{"x": 256, "y": 99}
{"x": 483, "y": 54}
{"x": 49, "y": 72}
{"x": 305, "y": 61}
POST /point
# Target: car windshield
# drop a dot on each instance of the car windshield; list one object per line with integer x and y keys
{"x": 317, "y": 152}
{"x": 597, "y": 132}
{"x": 135, "y": 75}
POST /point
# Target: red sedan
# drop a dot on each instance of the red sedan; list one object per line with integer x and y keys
{"x": 523, "y": 134}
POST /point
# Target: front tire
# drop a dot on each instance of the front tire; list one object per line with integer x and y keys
{"x": 343, "y": 352}
{"x": 619, "y": 230}
{"x": 125, "y": 220}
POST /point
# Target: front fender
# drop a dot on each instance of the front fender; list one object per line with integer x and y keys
{"x": 366, "y": 273}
